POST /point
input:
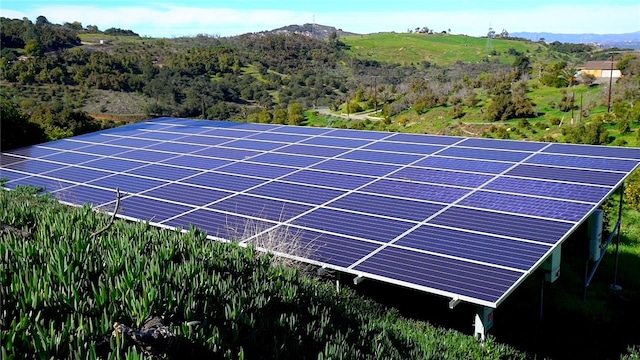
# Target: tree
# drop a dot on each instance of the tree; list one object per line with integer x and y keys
{"x": 295, "y": 114}
{"x": 280, "y": 116}
{"x": 33, "y": 48}
{"x": 17, "y": 130}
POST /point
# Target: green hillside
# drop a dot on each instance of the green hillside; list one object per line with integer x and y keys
{"x": 440, "y": 49}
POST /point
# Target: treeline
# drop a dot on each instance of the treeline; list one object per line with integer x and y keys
{"x": 35, "y": 38}
{"x": 257, "y": 77}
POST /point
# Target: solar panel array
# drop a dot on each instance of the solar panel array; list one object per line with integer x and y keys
{"x": 466, "y": 218}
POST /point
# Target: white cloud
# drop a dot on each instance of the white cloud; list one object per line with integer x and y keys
{"x": 180, "y": 20}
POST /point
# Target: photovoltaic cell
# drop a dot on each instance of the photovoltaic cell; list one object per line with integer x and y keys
{"x": 253, "y": 145}
{"x": 262, "y": 208}
{"x": 70, "y": 158}
{"x": 187, "y": 194}
{"x": 147, "y": 155}
{"x": 583, "y": 162}
{"x": 223, "y": 181}
{"x": 381, "y": 156}
{"x": 138, "y": 207}
{"x": 218, "y": 224}
{"x": 502, "y": 144}
{"x": 312, "y": 150}
{"x": 176, "y": 147}
{"x": 483, "y": 282}
{"x": 125, "y": 183}
{"x": 286, "y": 159}
{"x": 603, "y": 151}
{"x": 283, "y": 138}
{"x": 420, "y": 149}
{"x": 357, "y": 134}
{"x": 385, "y": 206}
{"x": 257, "y": 170}
{"x": 33, "y": 166}
{"x": 299, "y": 193}
{"x": 227, "y": 153}
{"x": 484, "y": 154}
{"x": 483, "y": 248}
{"x": 356, "y": 225}
{"x": 132, "y": 143}
{"x": 34, "y": 151}
{"x": 545, "y": 231}
{"x": 204, "y": 140}
{"x": 548, "y": 208}
{"x": 197, "y": 162}
{"x": 164, "y": 172}
{"x": 106, "y": 150}
{"x": 113, "y": 164}
{"x": 64, "y": 144}
{"x": 570, "y": 175}
{"x": 81, "y": 194}
{"x": 335, "y": 180}
{"x": 412, "y": 190}
{"x": 424, "y": 139}
{"x": 329, "y": 249}
{"x": 77, "y": 174}
{"x": 487, "y": 167}
{"x": 7, "y": 159}
{"x": 47, "y": 184}
{"x": 337, "y": 142}
{"x": 549, "y": 188}
{"x": 157, "y": 135}
{"x": 357, "y": 168}
{"x": 441, "y": 177}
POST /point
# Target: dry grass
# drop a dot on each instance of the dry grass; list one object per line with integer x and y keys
{"x": 283, "y": 243}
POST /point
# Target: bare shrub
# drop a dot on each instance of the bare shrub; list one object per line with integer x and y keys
{"x": 282, "y": 242}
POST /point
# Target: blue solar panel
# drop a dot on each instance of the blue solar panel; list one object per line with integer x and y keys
{"x": 351, "y": 224}
{"x": 337, "y": 142}
{"x": 294, "y": 192}
{"x": 197, "y": 162}
{"x": 138, "y": 207}
{"x": 129, "y": 184}
{"x": 274, "y": 210}
{"x": 468, "y": 218}
{"x": 420, "y": 149}
{"x": 258, "y": 170}
{"x": 542, "y": 230}
{"x": 385, "y": 206}
{"x": 357, "y": 168}
{"x": 223, "y": 181}
{"x": 432, "y": 272}
{"x": 187, "y": 194}
{"x": 441, "y": 177}
{"x": 582, "y": 162}
{"x": 484, "y": 154}
{"x": 312, "y": 150}
{"x": 163, "y": 172}
{"x": 549, "y": 188}
{"x": 381, "y": 156}
{"x": 569, "y": 175}
{"x": 32, "y": 166}
{"x": 338, "y": 181}
{"x": 413, "y": 190}
{"x": 603, "y": 151}
{"x": 176, "y": 147}
{"x": 483, "y": 248}
{"x": 487, "y": 167}
{"x": 526, "y": 205}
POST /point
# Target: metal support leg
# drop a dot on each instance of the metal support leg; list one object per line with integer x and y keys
{"x": 338, "y": 282}
{"x": 483, "y": 322}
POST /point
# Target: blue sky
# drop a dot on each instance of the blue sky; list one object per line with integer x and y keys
{"x": 169, "y": 18}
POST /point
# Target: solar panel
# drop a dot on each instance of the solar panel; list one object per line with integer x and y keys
{"x": 465, "y": 218}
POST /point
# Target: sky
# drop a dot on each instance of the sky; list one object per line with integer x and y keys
{"x": 170, "y": 18}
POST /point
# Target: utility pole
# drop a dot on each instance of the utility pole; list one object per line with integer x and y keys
{"x": 610, "y": 84}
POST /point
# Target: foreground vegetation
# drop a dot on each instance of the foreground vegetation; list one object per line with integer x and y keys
{"x": 62, "y": 289}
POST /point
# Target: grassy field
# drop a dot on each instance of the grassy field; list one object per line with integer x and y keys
{"x": 440, "y": 49}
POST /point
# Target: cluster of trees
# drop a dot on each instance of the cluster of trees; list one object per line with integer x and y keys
{"x": 35, "y": 39}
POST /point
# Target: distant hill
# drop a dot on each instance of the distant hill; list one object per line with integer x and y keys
{"x": 315, "y": 31}
{"x": 628, "y": 40}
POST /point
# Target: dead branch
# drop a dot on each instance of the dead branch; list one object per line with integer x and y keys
{"x": 113, "y": 216}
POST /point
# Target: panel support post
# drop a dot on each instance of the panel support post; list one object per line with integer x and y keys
{"x": 338, "y": 284}
{"x": 483, "y": 322}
